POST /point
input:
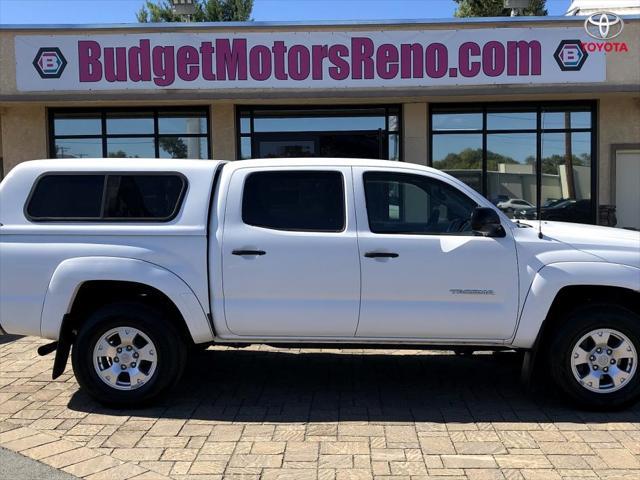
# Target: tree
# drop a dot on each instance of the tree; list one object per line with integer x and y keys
{"x": 471, "y": 159}
{"x": 495, "y": 8}
{"x": 174, "y": 146}
{"x": 206, "y": 11}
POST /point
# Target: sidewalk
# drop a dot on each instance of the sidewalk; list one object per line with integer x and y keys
{"x": 17, "y": 467}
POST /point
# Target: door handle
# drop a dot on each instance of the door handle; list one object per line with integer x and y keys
{"x": 381, "y": 255}
{"x": 248, "y": 252}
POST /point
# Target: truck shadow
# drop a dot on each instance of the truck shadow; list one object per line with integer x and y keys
{"x": 287, "y": 386}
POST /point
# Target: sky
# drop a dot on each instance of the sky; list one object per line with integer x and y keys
{"x": 124, "y": 11}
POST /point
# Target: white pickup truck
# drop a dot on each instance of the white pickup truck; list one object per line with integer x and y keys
{"x": 132, "y": 262}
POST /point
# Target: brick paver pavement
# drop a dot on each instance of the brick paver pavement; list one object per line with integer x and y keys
{"x": 307, "y": 414}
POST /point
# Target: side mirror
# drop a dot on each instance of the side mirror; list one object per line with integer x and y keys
{"x": 486, "y": 222}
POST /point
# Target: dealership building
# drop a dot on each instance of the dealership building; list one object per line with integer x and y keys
{"x": 506, "y": 105}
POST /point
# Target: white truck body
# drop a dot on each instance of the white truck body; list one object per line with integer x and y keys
{"x": 311, "y": 287}
{"x": 444, "y": 289}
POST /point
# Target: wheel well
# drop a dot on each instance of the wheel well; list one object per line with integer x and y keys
{"x": 583, "y": 295}
{"x": 94, "y": 294}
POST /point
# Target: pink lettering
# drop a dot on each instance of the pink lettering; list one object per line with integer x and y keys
{"x": 299, "y": 61}
{"x": 115, "y": 69}
{"x": 340, "y": 70}
{"x": 206, "y": 51}
{"x": 522, "y": 55}
{"x": 467, "y": 51}
{"x": 318, "y": 54}
{"x": 89, "y": 66}
{"x": 140, "y": 62}
{"x": 260, "y": 63}
{"x": 493, "y": 59}
{"x": 231, "y": 59}
{"x": 436, "y": 60}
{"x": 163, "y": 66}
{"x": 412, "y": 60}
{"x": 362, "y": 51}
{"x": 387, "y": 61}
{"x": 188, "y": 63}
{"x": 279, "y": 50}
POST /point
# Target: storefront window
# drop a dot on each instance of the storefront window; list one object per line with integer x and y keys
{"x": 130, "y": 133}
{"x": 460, "y": 155}
{"x": 503, "y": 151}
{"x": 370, "y": 132}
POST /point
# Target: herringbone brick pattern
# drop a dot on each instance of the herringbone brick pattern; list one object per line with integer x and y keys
{"x": 308, "y": 414}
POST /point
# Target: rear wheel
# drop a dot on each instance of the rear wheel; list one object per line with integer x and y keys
{"x": 594, "y": 357}
{"x": 128, "y": 354}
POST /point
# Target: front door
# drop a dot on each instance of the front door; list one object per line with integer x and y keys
{"x": 627, "y": 191}
{"x": 290, "y": 253}
{"x": 424, "y": 273}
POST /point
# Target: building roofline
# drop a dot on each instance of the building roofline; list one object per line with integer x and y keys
{"x": 288, "y": 24}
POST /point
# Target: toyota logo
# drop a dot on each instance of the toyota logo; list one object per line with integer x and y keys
{"x": 604, "y": 25}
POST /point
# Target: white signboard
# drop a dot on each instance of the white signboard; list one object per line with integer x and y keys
{"x": 275, "y": 60}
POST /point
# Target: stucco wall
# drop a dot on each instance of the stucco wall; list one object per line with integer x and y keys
{"x": 223, "y": 131}
{"x": 24, "y": 134}
{"x": 414, "y": 124}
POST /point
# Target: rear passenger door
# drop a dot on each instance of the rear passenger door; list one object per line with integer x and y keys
{"x": 290, "y": 254}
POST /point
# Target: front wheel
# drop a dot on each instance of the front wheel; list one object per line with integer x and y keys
{"x": 127, "y": 354}
{"x": 594, "y": 357}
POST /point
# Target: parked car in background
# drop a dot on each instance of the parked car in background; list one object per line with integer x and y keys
{"x": 131, "y": 262}
{"x": 499, "y": 198}
{"x": 578, "y": 211}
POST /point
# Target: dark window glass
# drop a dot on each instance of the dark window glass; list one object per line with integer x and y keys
{"x": 78, "y": 148}
{"x": 460, "y": 155}
{"x": 415, "y": 204}
{"x": 350, "y": 132}
{"x": 143, "y": 196}
{"x": 565, "y": 120}
{"x": 183, "y": 147}
{"x": 135, "y": 147}
{"x": 78, "y": 124}
{"x": 506, "y": 150}
{"x": 140, "y": 133}
{"x": 67, "y": 197}
{"x": 306, "y": 201}
{"x": 191, "y": 123}
{"x": 456, "y": 121}
{"x": 127, "y": 123}
{"x": 505, "y": 120}
{"x": 511, "y": 171}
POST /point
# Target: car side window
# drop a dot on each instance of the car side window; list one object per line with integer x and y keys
{"x": 142, "y": 196}
{"x": 403, "y": 203}
{"x": 295, "y": 200}
{"x": 66, "y": 197}
{"x": 97, "y": 197}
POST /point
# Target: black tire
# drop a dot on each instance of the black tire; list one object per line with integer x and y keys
{"x": 170, "y": 346}
{"x": 578, "y": 323}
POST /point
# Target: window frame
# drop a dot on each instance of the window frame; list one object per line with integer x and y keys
{"x": 252, "y": 135}
{"x": 102, "y": 219}
{"x": 488, "y": 108}
{"x": 417, "y": 175}
{"x": 104, "y": 136}
{"x": 343, "y": 185}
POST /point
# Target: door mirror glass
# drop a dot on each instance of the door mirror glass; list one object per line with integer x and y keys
{"x": 486, "y": 222}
